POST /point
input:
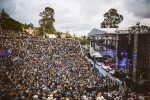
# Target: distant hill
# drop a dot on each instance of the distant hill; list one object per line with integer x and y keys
{"x": 9, "y": 23}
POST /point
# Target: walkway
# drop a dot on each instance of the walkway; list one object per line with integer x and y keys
{"x": 105, "y": 73}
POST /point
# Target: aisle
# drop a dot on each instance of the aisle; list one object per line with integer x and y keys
{"x": 104, "y": 73}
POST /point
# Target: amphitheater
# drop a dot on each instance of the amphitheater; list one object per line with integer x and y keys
{"x": 34, "y": 68}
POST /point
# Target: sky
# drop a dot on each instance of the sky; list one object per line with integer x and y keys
{"x": 78, "y": 16}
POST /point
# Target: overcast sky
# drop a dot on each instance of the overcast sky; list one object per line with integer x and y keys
{"x": 78, "y": 16}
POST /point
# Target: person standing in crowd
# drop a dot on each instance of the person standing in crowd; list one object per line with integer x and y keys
{"x": 99, "y": 97}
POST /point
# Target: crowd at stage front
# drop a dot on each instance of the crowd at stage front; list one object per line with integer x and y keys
{"x": 52, "y": 69}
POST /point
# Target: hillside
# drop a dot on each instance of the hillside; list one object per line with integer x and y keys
{"x": 9, "y": 23}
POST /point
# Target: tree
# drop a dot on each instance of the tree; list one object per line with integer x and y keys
{"x": 68, "y": 35}
{"x": 38, "y": 31}
{"x": 84, "y": 40}
{"x": 4, "y": 14}
{"x": 31, "y": 25}
{"x": 58, "y": 34}
{"x": 27, "y": 26}
{"x": 47, "y": 21}
{"x": 111, "y": 19}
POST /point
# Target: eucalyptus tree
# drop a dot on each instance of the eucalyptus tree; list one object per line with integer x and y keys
{"x": 111, "y": 19}
{"x": 47, "y": 21}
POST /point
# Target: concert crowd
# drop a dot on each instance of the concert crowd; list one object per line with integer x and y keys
{"x": 34, "y": 68}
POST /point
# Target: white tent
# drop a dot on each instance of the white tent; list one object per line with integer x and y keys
{"x": 52, "y": 36}
{"x": 97, "y": 55}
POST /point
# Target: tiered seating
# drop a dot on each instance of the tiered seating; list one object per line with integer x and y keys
{"x": 44, "y": 67}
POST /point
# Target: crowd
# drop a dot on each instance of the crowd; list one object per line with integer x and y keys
{"x": 50, "y": 69}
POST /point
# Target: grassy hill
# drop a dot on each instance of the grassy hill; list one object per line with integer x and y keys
{"x": 10, "y": 24}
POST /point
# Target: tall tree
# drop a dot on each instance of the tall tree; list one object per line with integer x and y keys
{"x": 111, "y": 19}
{"x": 47, "y": 21}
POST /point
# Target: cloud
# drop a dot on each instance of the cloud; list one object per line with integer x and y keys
{"x": 23, "y": 10}
{"x": 139, "y": 8}
{"x": 78, "y": 16}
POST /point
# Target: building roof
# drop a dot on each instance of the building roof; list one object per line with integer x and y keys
{"x": 96, "y": 32}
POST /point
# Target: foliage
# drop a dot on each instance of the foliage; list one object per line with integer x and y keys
{"x": 58, "y": 34}
{"x": 27, "y": 26}
{"x": 38, "y": 31}
{"x": 47, "y": 21}
{"x": 111, "y": 19}
{"x": 68, "y": 35}
{"x": 84, "y": 40}
{"x": 10, "y": 24}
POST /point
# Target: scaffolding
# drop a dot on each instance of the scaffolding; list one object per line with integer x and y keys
{"x": 135, "y": 55}
{"x": 135, "y": 31}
